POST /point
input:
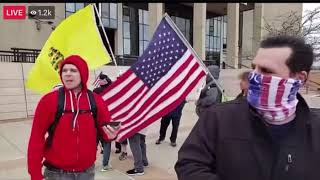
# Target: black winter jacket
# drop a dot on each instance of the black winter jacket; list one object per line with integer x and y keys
{"x": 231, "y": 142}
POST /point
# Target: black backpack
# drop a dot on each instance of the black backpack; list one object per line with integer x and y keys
{"x": 61, "y": 110}
{"x": 203, "y": 93}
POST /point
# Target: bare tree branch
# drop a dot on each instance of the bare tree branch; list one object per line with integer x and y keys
{"x": 306, "y": 26}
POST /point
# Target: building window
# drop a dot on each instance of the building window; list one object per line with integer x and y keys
{"x": 72, "y": 8}
{"x": 143, "y": 30}
{"x": 224, "y": 32}
{"x": 130, "y": 31}
{"x": 109, "y": 14}
{"x": 214, "y": 31}
{"x": 184, "y": 26}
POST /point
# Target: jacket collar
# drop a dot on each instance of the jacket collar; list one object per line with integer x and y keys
{"x": 301, "y": 121}
{"x": 262, "y": 145}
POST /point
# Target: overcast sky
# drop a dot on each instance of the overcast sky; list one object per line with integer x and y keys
{"x": 310, "y": 6}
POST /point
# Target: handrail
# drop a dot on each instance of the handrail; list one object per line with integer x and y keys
{"x": 315, "y": 82}
{"x": 30, "y": 55}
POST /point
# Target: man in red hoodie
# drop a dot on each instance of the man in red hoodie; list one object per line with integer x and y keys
{"x": 72, "y": 153}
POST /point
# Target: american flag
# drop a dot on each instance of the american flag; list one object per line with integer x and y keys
{"x": 158, "y": 82}
{"x": 274, "y": 94}
{"x": 98, "y": 82}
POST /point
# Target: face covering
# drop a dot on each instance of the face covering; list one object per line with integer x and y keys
{"x": 273, "y": 97}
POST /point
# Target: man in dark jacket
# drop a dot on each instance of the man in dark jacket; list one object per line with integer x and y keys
{"x": 272, "y": 134}
{"x": 175, "y": 116}
{"x": 210, "y": 94}
{"x": 102, "y": 83}
{"x": 72, "y": 153}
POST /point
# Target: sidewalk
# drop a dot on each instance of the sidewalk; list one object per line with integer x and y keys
{"x": 14, "y": 138}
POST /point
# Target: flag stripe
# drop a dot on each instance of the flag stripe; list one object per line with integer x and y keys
{"x": 128, "y": 94}
{"x": 265, "y": 92}
{"x": 127, "y": 86}
{"x": 273, "y": 94}
{"x": 97, "y": 79}
{"x": 115, "y": 84}
{"x": 129, "y": 132}
{"x": 121, "y": 111}
{"x": 170, "y": 91}
{"x": 95, "y": 82}
{"x": 147, "y": 101}
{"x": 280, "y": 93}
{"x": 287, "y": 90}
{"x": 113, "y": 91}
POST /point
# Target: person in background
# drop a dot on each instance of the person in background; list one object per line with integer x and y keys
{"x": 138, "y": 148}
{"x": 118, "y": 147}
{"x": 72, "y": 152}
{"x": 102, "y": 83}
{"x": 174, "y": 116}
{"x": 124, "y": 153}
{"x": 210, "y": 94}
{"x": 244, "y": 83}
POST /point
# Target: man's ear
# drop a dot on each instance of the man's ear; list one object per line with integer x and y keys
{"x": 302, "y": 75}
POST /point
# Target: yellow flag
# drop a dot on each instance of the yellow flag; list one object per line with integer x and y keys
{"x": 76, "y": 35}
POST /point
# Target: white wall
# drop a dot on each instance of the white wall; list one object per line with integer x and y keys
{"x": 12, "y": 95}
{"x": 247, "y": 33}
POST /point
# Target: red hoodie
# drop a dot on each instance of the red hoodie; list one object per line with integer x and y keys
{"x": 74, "y": 144}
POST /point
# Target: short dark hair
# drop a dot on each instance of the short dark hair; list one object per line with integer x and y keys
{"x": 244, "y": 75}
{"x": 302, "y": 56}
{"x": 104, "y": 76}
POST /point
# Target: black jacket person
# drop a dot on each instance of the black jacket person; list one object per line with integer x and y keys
{"x": 270, "y": 135}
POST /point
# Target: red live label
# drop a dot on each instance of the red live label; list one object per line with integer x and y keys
{"x": 14, "y": 12}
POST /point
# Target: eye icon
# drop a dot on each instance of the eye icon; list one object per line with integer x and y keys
{"x": 33, "y": 12}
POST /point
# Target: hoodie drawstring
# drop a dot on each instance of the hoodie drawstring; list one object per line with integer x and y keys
{"x": 78, "y": 110}
{"x": 71, "y": 101}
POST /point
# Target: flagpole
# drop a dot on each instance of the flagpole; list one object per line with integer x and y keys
{"x": 105, "y": 35}
{"x": 176, "y": 29}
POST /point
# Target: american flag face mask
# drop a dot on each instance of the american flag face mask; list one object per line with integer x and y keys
{"x": 274, "y": 98}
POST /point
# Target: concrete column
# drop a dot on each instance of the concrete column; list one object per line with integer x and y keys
{"x": 233, "y": 35}
{"x": 222, "y": 59}
{"x": 119, "y": 32}
{"x": 155, "y": 16}
{"x": 199, "y": 28}
{"x": 258, "y": 23}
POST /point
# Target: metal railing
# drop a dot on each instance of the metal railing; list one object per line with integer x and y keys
{"x": 19, "y": 55}
{"x": 30, "y": 55}
{"x": 124, "y": 60}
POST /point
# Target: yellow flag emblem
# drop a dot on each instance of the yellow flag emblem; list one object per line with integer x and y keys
{"x": 76, "y": 35}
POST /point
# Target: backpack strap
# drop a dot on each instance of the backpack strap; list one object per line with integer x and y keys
{"x": 93, "y": 105}
{"x": 93, "y": 109}
{"x": 60, "y": 109}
